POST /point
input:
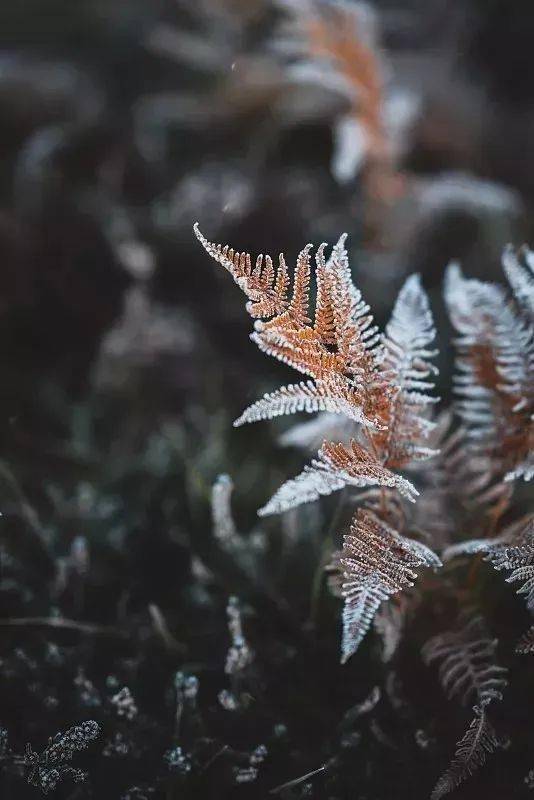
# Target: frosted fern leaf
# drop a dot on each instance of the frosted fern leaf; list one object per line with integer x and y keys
{"x": 266, "y": 288}
{"x": 472, "y": 547}
{"x": 525, "y": 645}
{"x": 520, "y": 560}
{"x": 381, "y": 384}
{"x": 468, "y": 671}
{"x": 520, "y": 276}
{"x": 495, "y": 368}
{"x": 334, "y": 395}
{"x": 477, "y": 743}
{"x": 336, "y": 466}
{"x": 406, "y": 364}
{"x": 341, "y": 338}
{"x": 467, "y": 663}
{"x": 375, "y": 563}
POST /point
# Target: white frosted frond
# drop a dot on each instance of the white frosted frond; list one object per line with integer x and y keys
{"x": 468, "y": 548}
{"x": 311, "y": 484}
{"x": 495, "y": 368}
{"x": 525, "y": 645}
{"x": 520, "y": 276}
{"x": 520, "y": 561}
{"x": 524, "y": 470}
{"x": 471, "y": 753}
{"x": 409, "y": 333}
{"x": 334, "y": 396}
{"x": 376, "y": 562}
{"x": 362, "y": 600}
{"x": 406, "y": 365}
{"x": 337, "y": 466}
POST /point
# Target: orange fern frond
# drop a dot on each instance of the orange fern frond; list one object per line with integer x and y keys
{"x": 378, "y": 384}
{"x": 334, "y": 34}
{"x": 267, "y": 292}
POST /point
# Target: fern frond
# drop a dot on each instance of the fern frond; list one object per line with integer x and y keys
{"x": 467, "y": 669}
{"x": 324, "y": 323}
{"x": 267, "y": 291}
{"x": 495, "y": 381}
{"x": 470, "y": 547}
{"x": 337, "y": 466}
{"x": 525, "y": 645}
{"x": 470, "y": 478}
{"x": 299, "y": 306}
{"x": 477, "y": 743}
{"x": 335, "y": 395}
{"x": 520, "y": 276}
{"x": 407, "y": 367}
{"x": 376, "y": 562}
{"x": 520, "y": 561}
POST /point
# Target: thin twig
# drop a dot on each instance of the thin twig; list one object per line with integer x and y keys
{"x": 61, "y": 623}
{"x": 217, "y": 755}
{"x": 296, "y": 781}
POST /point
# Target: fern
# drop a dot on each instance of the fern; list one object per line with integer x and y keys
{"x": 332, "y": 395}
{"x": 406, "y": 362}
{"x": 512, "y": 550}
{"x": 468, "y": 671}
{"x": 380, "y": 384}
{"x": 337, "y": 466}
{"x": 520, "y": 561}
{"x": 495, "y": 381}
{"x": 525, "y": 645}
{"x": 477, "y": 743}
{"x": 521, "y": 276}
{"x": 375, "y": 563}
{"x": 467, "y": 668}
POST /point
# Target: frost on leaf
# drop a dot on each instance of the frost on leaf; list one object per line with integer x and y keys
{"x": 495, "y": 369}
{"x": 512, "y": 550}
{"x": 379, "y": 385}
{"x": 467, "y": 663}
{"x": 525, "y": 645}
{"x": 336, "y": 466}
{"x": 519, "y": 560}
{"x": 477, "y": 743}
{"x": 521, "y": 276}
{"x": 375, "y": 563}
{"x": 468, "y": 671}
{"x": 334, "y": 395}
{"x": 224, "y": 528}
{"x": 407, "y": 368}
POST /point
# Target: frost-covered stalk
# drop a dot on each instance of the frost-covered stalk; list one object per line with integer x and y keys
{"x": 238, "y": 659}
